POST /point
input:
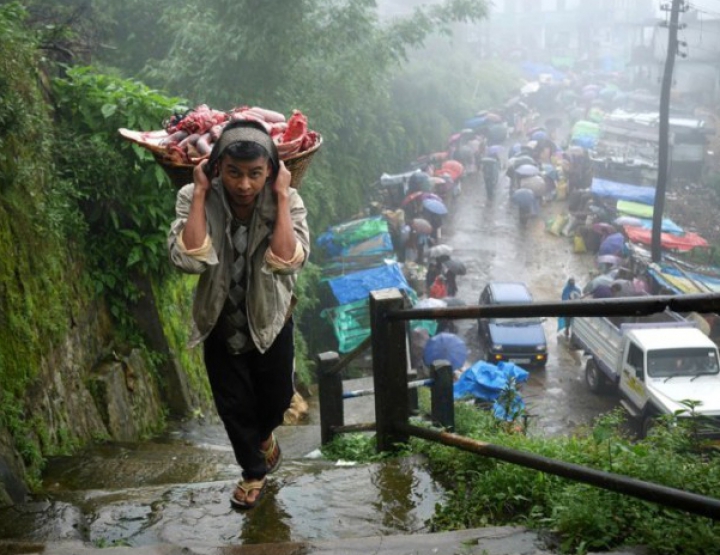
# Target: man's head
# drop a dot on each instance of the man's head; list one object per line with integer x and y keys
{"x": 246, "y": 160}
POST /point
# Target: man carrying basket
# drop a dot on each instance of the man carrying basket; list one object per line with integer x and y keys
{"x": 244, "y": 230}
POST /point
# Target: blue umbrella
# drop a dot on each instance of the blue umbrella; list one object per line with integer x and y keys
{"x": 445, "y": 346}
{"x": 525, "y": 198}
{"x": 435, "y": 206}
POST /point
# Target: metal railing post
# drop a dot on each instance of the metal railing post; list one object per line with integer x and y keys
{"x": 330, "y": 391}
{"x": 389, "y": 356}
{"x": 442, "y": 401}
{"x": 413, "y": 400}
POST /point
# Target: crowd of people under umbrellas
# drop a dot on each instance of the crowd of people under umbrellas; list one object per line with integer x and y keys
{"x": 540, "y": 166}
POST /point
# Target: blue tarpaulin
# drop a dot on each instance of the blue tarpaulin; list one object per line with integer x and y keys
{"x": 623, "y": 191}
{"x": 668, "y": 226}
{"x": 486, "y": 381}
{"x": 357, "y": 286}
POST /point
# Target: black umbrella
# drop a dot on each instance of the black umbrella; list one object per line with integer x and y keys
{"x": 456, "y": 267}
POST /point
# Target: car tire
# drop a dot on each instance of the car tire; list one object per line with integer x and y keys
{"x": 594, "y": 378}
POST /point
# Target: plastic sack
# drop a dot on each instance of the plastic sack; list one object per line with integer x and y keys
{"x": 557, "y": 224}
{"x": 579, "y": 244}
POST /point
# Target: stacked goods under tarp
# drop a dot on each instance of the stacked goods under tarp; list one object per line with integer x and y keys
{"x": 358, "y": 257}
{"x": 187, "y": 139}
{"x": 585, "y": 134}
{"x": 634, "y": 205}
{"x": 350, "y": 319}
{"x": 355, "y": 245}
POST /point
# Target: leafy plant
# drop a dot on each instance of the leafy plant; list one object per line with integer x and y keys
{"x": 125, "y": 197}
{"x": 488, "y": 492}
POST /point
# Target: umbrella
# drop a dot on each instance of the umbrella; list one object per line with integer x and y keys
{"x": 612, "y": 244}
{"x": 454, "y": 301}
{"x": 435, "y": 206}
{"x": 604, "y": 228}
{"x": 432, "y": 196}
{"x": 524, "y": 198}
{"x": 421, "y": 226}
{"x": 518, "y": 161}
{"x": 439, "y": 250}
{"x": 446, "y": 346}
{"x": 495, "y": 150}
{"x": 453, "y": 168}
{"x": 597, "y": 282}
{"x": 456, "y": 267}
{"x": 527, "y": 170}
{"x": 536, "y": 184}
{"x": 530, "y": 88}
{"x": 411, "y": 197}
{"x": 430, "y": 302}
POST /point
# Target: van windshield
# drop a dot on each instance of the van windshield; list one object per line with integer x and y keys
{"x": 666, "y": 363}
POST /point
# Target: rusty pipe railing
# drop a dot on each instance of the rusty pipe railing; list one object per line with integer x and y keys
{"x": 625, "y": 306}
{"x": 669, "y": 497}
{"x": 388, "y": 316}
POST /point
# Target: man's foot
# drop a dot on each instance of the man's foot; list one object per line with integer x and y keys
{"x": 248, "y": 493}
{"x": 273, "y": 454}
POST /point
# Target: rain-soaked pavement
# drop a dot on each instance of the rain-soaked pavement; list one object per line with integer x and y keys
{"x": 485, "y": 235}
{"x": 171, "y": 494}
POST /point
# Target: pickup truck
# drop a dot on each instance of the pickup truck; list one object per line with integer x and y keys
{"x": 654, "y": 366}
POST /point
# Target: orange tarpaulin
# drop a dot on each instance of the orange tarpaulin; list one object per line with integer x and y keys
{"x": 684, "y": 242}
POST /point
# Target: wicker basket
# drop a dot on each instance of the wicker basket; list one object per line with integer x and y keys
{"x": 182, "y": 174}
{"x": 299, "y": 163}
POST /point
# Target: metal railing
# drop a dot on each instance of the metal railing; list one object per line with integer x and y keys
{"x": 388, "y": 321}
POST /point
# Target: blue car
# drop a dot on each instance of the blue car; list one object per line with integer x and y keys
{"x": 518, "y": 340}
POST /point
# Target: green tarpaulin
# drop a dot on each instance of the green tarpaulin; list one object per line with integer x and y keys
{"x": 637, "y": 209}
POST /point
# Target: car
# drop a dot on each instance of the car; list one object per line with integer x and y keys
{"x": 520, "y": 340}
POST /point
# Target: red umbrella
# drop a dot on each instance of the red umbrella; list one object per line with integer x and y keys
{"x": 453, "y": 168}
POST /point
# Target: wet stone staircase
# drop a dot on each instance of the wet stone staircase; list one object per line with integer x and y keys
{"x": 171, "y": 495}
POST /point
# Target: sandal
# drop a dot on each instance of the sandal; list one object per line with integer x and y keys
{"x": 273, "y": 455}
{"x": 246, "y": 486}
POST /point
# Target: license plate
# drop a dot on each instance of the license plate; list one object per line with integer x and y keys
{"x": 520, "y": 360}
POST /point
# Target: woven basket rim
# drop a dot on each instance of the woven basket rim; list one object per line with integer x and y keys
{"x": 307, "y": 152}
{"x": 164, "y": 160}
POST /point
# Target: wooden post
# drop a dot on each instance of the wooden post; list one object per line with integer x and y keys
{"x": 443, "y": 402}
{"x": 330, "y": 391}
{"x": 413, "y": 401}
{"x": 389, "y": 359}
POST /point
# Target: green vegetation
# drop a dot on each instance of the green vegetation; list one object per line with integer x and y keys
{"x": 486, "y": 492}
{"x": 38, "y": 279}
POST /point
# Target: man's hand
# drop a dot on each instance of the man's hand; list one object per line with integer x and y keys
{"x": 200, "y": 178}
{"x": 281, "y": 187}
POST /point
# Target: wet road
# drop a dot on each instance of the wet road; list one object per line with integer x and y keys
{"x": 485, "y": 235}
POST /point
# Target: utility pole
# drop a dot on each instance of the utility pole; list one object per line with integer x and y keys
{"x": 664, "y": 139}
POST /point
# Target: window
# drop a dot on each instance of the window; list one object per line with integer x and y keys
{"x": 635, "y": 359}
{"x": 668, "y": 363}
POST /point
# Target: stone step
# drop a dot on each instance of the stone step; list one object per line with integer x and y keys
{"x": 486, "y": 541}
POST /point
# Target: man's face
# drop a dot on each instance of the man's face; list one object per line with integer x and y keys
{"x": 244, "y": 179}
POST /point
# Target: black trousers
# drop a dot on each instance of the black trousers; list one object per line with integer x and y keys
{"x": 252, "y": 391}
